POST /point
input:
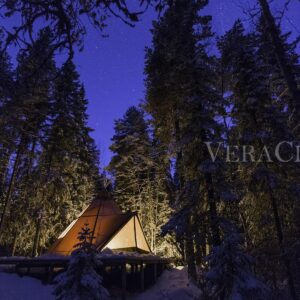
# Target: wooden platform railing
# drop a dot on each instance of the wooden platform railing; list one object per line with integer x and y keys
{"x": 133, "y": 272}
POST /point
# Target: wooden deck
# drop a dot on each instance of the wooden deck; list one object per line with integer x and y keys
{"x": 126, "y": 272}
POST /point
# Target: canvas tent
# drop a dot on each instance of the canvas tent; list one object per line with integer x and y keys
{"x": 111, "y": 228}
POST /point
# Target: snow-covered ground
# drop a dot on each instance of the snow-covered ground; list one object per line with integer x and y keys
{"x": 14, "y": 287}
{"x": 172, "y": 284}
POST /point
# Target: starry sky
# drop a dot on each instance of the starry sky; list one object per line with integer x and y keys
{"x": 112, "y": 68}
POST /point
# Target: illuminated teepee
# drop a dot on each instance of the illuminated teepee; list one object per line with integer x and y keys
{"x": 111, "y": 228}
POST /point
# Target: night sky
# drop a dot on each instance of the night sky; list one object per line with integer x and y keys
{"x": 112, "y": 68}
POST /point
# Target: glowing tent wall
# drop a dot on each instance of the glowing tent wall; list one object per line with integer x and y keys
{"x": 111, "y": 228}
{"x": 130, "y": 236}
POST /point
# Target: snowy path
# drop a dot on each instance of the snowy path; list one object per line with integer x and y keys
{"x": 171, "y": 285}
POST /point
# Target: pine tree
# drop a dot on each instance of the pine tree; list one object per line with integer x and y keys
{"x": 130, "y": 165}
{"x": 158, "y": 199}
{"x": 280, "y": 87}
{"x": 67, "y": 172}
{"x": 282, "y": 58}
{"x": 140, "y": 180}
{"x": 260, "y": 121}
{"x": 81, "y": 281}
{"x": 183, "y": 100}
{"x": 231, "y": 270}
{"x": 26, "y": 114}
{"x": 54, "y": 160}
{"x": 278, "y": 83}
{"x": 6, "y": 135}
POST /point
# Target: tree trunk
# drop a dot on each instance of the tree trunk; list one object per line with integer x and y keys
{"x": 10, "y": 188}
{"x": 14, "y": 245}
{"x": 31, "y": 157}
{"x": 36, "y": 240}
{"x": 152, "y": 239}
{"x": 285, "y": 258}
{"x": 213, "y": 216}
{"x": 3, "y": 174}
{"x": 212, "y": 206}
{"x": 199, "y": 242}
{"x": 189, "y": 250}
{"x": 248, "y": 242}
{"x": 281, "y": 58}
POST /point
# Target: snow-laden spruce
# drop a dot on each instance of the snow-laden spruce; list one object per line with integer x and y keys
{"x": 140, "y": 175}
{"x": 230, "y": 276}
{"x": 81, "y": 281}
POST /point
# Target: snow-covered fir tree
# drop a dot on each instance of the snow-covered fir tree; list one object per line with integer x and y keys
{"x": 278, "y": 85}
{"x": 26, "y": 114}
{"x": 183, "y": 100}
{"x": 140, "y": 180}
{"x": 231, "y": 271}
{"x": 6, "y": 128}
{"x": 130, "y": 163}
{"x": 260, "y": 121}
{"x": 68, "y": 163}
{"x": 285, "y": 59}
{"x": 52, "y": 158}
{"x": 81, "y": 280}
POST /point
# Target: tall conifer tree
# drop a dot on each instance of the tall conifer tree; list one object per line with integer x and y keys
{"x": 184, "y": 103}
{"x": 260, "y": 121}
{"x": 140, "y": 180}
{"x": 27, "y": 113}
{"x": 6, "y": 129}
{"x": 67, "y": 172}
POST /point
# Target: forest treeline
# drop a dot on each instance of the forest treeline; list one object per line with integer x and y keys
{"x": 235, "y": 225}
{"x": 245, "y": 92}
{"x": 49, "y": 162}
